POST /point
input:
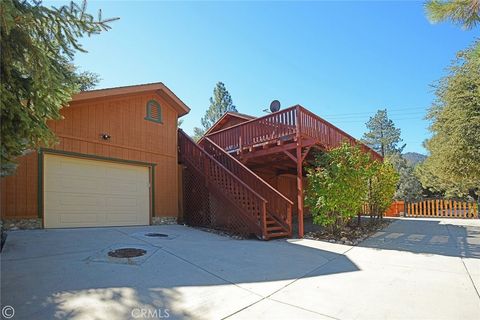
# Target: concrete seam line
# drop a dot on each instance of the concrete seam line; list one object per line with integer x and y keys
{"x": 209, "y": 272}
{"x": 244, "y": 308}
{"x": 288, "y": 304}
{"x": 309, "y": 272}
{"x": 302, "y": 308}
{"x": 254, "y": 293}
{"x": 464, "y": 265}
{"x": 193, "y": 264}
{"x": 286, "y": 285}
{"x": 139, "y": 239}
{"x": 470, "y": 276}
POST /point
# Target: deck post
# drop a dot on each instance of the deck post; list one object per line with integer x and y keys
{"x": 299, "y": 191}
{"x": 299, "y": 173}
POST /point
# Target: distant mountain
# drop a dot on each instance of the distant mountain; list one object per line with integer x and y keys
{"x": 414, "y": 158}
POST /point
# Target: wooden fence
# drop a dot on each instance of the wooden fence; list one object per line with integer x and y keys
{"x": 396, "y": 209}
{"x": 442, "y": 208}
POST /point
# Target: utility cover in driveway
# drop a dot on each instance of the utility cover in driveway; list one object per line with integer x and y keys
{"x": 124, "y": 253}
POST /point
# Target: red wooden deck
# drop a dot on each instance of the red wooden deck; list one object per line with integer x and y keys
{"x": 294, "y": 124}
{"x": 280, "y": 142}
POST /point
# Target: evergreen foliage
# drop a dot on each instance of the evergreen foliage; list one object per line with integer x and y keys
{"x": 453, "y": 165}
{"x": 461, "y": 12}
{"x": 37, "y": 75}
{"x": 382, "y": 136}
{"x": 220, "y": 103}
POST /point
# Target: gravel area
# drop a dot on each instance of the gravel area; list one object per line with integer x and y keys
{"x": 352, "y": 234}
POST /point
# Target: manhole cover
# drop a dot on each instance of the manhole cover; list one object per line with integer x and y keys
{"x": 157, "y": 235}
{"x": 127, "y": 253}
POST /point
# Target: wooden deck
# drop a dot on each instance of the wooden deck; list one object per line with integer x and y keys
{"x": 281, "y": 131}
{"x": 281, "y": 141}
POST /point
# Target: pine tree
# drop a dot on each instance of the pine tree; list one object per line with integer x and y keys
{"x": 453, "y": 165}
{"x": 460, "y": 12}
{"x": 38, "y": 78}
{"x": 382, "y": 136}
{"x": 220, "y": 103}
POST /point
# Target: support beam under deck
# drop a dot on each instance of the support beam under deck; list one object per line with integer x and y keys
{"x": 300, "y": 191}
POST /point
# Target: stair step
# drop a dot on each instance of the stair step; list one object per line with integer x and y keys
{"x": 278, "y": 228}
{"x": 277, "y": 235}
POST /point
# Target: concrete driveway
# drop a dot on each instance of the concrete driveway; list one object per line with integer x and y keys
{"x": 415, "y": 269}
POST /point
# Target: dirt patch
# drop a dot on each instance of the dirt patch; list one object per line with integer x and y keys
{"x": 352, "y": 234}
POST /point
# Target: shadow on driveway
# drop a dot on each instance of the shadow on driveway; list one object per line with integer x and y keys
{"x": 448, "y": 237}
{"x": 49, "y": 274}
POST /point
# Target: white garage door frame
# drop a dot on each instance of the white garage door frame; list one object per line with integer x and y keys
{"x": 41, "y": 175}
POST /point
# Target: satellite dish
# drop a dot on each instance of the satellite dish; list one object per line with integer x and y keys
{"x": 275, "y": 106}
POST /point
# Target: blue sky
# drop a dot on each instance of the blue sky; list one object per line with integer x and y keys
{"x": 342, "y": 60}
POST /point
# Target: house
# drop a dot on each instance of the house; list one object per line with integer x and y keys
{"x": 115, "y": 163}
{"x": 247, "y": 174}
{"x": 120, "y": 160}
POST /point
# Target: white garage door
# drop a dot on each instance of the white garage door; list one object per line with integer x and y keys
{"x": 91, "y": 193}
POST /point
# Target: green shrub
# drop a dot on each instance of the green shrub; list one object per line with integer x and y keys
{"x": 337, "y": 186}
{"x": 342, "y": 181}
{"x": 382, "y": 185}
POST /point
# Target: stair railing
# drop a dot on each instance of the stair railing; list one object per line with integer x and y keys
{"x": 253, "y": 205}
{"x": 278, "y": 206}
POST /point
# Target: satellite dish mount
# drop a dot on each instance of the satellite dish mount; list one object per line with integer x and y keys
{"x": 275, "y": 106}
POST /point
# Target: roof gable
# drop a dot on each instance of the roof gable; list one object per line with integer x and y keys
{"x": 157, "y": 87}
{"x": 228, "y": 116}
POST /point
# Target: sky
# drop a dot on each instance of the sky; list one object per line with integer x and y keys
{"x": 341, "y": 60}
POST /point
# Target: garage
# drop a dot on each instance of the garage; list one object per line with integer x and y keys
{"x": 80, "y": 192}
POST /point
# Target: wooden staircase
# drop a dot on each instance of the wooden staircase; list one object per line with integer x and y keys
{"x": 275, "y": 229}
{"x": 249, "y": 205}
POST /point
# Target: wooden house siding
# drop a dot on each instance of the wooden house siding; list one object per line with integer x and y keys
{"x": 132, "y": 138}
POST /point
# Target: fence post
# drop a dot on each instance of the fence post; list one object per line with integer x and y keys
{"x": 476, "y": 212}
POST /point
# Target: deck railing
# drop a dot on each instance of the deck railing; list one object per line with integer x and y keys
{"x": 278, "y": 206}
{"x": 260, "y": 130}
{"x": 252, "y": 204}
{"x": 283, "y": 125}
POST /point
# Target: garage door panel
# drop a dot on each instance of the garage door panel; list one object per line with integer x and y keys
{"x": 116, "y": 172}
{"x": 124, "y": 204}
{"x": 63, "y": 183}
{"x": 79, "y": 202}
{"x": 123, "y": 187}
{"x": 110, "y": 194}
{"x": 71, "y": 166}
{"x": 80, "y": 218}
{"x": 121, "y": 218}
